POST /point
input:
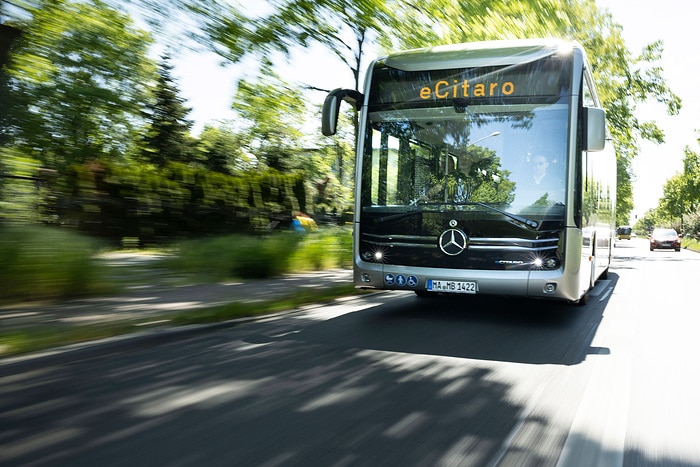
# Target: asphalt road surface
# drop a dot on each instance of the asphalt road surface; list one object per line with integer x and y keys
{"x": 392, "y": 379}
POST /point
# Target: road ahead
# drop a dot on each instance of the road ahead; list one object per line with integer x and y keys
{"x": 392, "y": 379}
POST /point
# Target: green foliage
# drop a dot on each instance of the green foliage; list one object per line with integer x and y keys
{"x": 342, "y": 27}
{"x": 46, "y": 263}
{"x": 450, "y": 22}
{"x": 681, "y": 197}
{"x": 177, "y": 201}
{"x": 90, "y": 106}
{"x": 692, "y": 227}
{"x": 36, "y": 339}
{"x": 324, "y": 249}
{"x": 658, "y": 218}
{"x": 273, "y": 112}
{"x": 691, "y": 243}
{"x": 20, "y": 182}
{"x": 239, "y": 309}
{"x": 78, "y": 79}
{"x": 235, "y": 256}
{"x": 166, "y": 138}
{"x": 221, "y": 149}
{"x": 646, "y": 223}
{"x": 255, "y": 257}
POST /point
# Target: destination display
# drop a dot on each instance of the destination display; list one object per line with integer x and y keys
{"x": 538, "y": 79}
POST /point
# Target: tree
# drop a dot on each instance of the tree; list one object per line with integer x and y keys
{"x": 344, "y": 27}
{"x": 272, "y": 113}
{"x": 434, "y": 22}
{"x": 221, "y": 150}
{"x": 682, "y": 192}
{"x": 167, "y": 134}
{"x": 625, "y": 82}
{"x": 77, "y": 82}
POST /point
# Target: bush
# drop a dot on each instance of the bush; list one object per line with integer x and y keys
{"x": 324, "y": 249}
{"x": 41, "y": 263}
{"x": 235, "y": 256}
{"x": 257, "y": 257}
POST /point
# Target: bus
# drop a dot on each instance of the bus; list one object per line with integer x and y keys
{"x": 624, "y": 232}
{"x": 481, "y": 168}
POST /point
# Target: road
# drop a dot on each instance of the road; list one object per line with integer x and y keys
{"x": 392, "y": 379}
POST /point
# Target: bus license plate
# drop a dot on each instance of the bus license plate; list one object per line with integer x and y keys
{"x": 452, "y": 286}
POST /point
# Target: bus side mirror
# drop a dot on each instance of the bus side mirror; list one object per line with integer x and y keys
{"x": 331, "y": 108}
{"x": 595, "y": 129}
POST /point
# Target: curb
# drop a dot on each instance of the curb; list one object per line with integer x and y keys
{"x": 90, "y": 349}
{"x": 95, "y": 348}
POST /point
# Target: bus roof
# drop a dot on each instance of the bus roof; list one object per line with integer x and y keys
{"x": 476, "y": 54}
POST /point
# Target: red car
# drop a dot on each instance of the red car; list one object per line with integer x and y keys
{"x": 664, "y": 238}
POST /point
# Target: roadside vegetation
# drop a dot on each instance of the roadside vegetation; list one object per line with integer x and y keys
{"x": 690, "y": 244}
{"x": 48, "y": 264}
{"x": 45, "y": 263}
{"x": 679, "y": 207}
{"x": 41, "y": 263}
{"x": 262, "y": 256}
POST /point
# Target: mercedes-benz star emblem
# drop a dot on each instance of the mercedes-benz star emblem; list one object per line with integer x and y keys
{"x": 453, "y": 241}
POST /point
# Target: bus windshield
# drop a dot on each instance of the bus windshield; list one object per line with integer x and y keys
{"x": 468, "y": 137}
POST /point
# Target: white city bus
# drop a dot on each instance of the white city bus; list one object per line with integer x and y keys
{"x": 482, "y": 168}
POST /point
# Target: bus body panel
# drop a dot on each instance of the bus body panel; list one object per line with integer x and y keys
{"x": 513, "y": 283}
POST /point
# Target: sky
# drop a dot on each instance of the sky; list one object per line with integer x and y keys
{"x": 675, "y": 22}
{"x": 209, "y": 88}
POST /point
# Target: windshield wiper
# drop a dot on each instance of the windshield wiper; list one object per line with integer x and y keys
{"x": 523, "y": 220}
{"x": 519, "y": 219}
{"x": 394, "y": 217}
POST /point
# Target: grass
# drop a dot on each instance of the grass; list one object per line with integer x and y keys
{"x": 51, "y": 264}
{"x": 45, "y": 337}
{"x": 246, "y": 257}
{"x": 690, "y": 243}
{"x": 40, "y": 263}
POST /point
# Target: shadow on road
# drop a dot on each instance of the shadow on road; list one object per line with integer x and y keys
{"x": 484, "y": 328}
{"x": 370, "y": 387}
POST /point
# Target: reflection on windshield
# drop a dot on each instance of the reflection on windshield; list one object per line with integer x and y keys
{"x": 423, "y": 156}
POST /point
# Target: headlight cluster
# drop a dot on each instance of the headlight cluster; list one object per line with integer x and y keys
{"x": 548, "y": 263}
{"x": 373, "y": 256}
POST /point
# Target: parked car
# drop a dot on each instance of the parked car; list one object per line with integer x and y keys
{"x": 664, "y": 238}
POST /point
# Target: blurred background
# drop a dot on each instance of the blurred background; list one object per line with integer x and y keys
{"x": 99, "y": 150}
